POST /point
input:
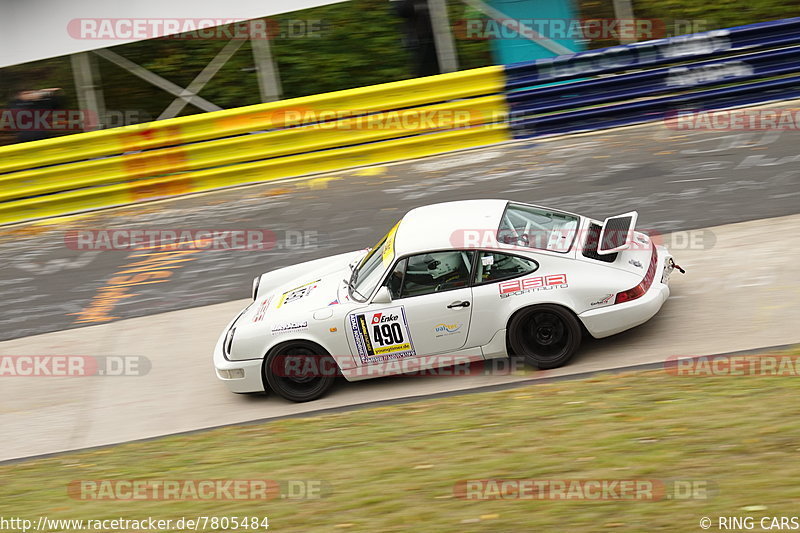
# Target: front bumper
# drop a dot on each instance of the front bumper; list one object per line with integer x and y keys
{"x": 239, "y": 376}
{"x": 620, "y": 317}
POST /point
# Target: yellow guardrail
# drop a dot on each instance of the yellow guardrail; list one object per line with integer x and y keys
{"x": 318, "y": 133}
{"x": 204, "y": 126}
{"x": 260, "y": 171}
{"x": 276, "y": 143}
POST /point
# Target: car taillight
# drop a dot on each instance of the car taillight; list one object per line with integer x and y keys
{"x": 642, "y": 288}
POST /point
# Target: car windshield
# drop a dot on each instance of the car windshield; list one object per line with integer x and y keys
{"x": 369, "y": 271}
{"x": 536, "y": 227}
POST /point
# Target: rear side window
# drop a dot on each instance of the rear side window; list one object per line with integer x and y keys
{"x": 537, "y": 227}
{"x": 493, "y": 266}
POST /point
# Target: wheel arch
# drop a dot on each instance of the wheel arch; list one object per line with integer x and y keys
{"x": 286, "y": 342}
{"x": 539, "y": 304}
{"x": 280, "y": 342}
{"x": 527, "y": 307}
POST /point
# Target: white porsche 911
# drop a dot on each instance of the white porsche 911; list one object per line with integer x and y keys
{"x": 451, "y": 282}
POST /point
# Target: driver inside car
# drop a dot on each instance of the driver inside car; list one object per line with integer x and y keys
{"x": 435, "y": 272}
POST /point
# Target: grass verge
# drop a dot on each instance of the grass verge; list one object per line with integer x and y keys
{"x": 395, "y": 468}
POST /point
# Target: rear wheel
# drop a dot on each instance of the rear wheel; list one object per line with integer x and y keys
{"x": 299, "y": 371}
{"x": 547, "y": 336}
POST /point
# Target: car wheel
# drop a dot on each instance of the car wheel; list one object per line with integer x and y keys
{"x": 547, "y": 336}
{"x": 299, "y": 371}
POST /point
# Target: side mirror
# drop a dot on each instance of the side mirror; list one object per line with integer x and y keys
{"x": 383, "y": 296}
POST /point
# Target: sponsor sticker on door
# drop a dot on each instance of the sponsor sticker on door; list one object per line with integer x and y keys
{"x": 382, "y": 335}
{"x": 443, "y": 329}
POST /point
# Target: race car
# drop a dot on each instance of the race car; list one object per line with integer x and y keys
{"x": 459, "y": 281}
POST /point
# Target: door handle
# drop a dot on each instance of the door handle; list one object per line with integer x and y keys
{"x": 458, "y": 304}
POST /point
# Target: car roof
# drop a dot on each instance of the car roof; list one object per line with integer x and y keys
{"x": 444, "y": 226}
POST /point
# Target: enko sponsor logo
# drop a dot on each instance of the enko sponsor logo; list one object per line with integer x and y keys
{"x": 379, "y": 318}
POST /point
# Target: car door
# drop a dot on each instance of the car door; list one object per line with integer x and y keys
{"x": 429, "y": 312}
{"x": 498, "y": 275}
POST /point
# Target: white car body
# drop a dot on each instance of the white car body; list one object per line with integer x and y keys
{"x": 311, "y": 301}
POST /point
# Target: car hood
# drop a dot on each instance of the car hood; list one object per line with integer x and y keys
{"x": 287, "y": 299}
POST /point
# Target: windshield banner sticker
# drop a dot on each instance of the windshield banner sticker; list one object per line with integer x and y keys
{"x": 387, "y": 254}
{"x": 382, "y": 335}
{"x": 297, "y": 293}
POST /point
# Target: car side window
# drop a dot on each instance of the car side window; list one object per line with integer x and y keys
{"x": 431, "y": 272}
{"x": 395, "y": 280}
{"x": 493, "y": 266}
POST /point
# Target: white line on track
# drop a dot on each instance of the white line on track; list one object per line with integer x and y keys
{"x": 693, "y": 179}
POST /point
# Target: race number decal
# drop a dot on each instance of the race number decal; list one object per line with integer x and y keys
{"x": 382, "y": 335}
{"x": 297, "y": 293}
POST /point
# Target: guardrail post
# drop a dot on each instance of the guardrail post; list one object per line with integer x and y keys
{"x": 623, "y": 10}
{"x": 88, "y": 90}
{"x": 269, "y": 82}
{"x": 445, "y": 47}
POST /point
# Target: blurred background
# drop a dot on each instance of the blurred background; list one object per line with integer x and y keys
{"x": 339, "y": 46}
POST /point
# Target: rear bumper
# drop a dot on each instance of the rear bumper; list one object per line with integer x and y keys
{"x": 619, "y": 317}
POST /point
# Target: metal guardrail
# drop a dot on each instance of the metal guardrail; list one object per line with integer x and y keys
{"x": 260, "y": 171}
{"x": 656, "y": 109}
{"x": 238, "y": 149}
{"x": 293, "y": 137}
{"x": 248, "y": 119}
{"x": 710, "y": 70}
{"x": 693, "y": 47}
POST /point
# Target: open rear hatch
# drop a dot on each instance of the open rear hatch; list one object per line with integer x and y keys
{"x": 620, "y": 246}
{"x": 617, "y": 233}
{"x": 616, "y": 243}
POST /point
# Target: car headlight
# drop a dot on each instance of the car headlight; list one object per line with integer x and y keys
{"x": 228, "y": 343}
{"x": 256, "y": 281}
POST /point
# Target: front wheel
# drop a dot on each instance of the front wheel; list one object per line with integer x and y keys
{"x": 547, "y": 336}
{"x": 299, "y": 371}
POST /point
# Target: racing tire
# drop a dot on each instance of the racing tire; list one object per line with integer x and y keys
{"x": 299, "y": 371}
{"x": 546, "y": 336}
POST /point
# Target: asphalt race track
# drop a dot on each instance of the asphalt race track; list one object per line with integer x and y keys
{"x": 740, "y": 292}
{"x": 677, "y": 181}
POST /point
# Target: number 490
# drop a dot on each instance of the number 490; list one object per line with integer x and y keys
{"x": 386, "y": 334}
